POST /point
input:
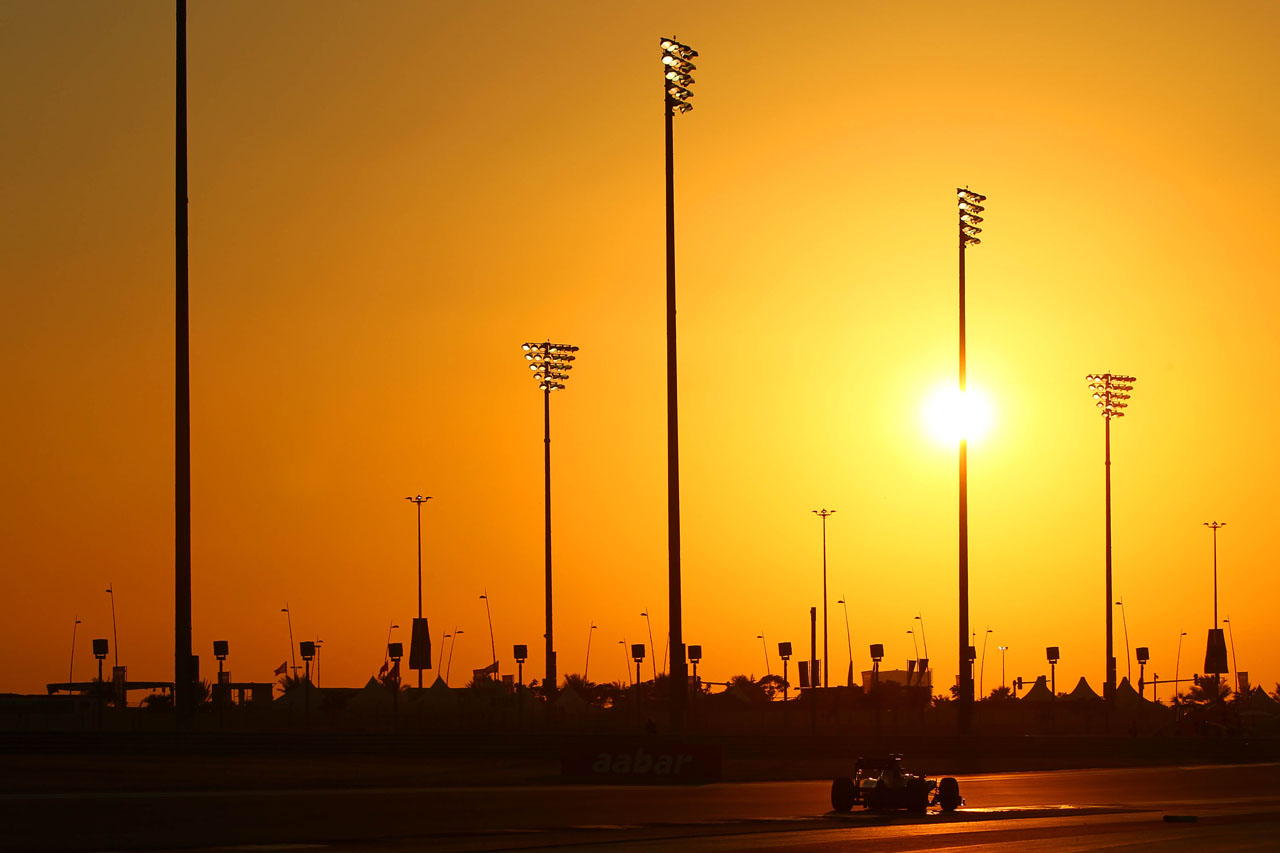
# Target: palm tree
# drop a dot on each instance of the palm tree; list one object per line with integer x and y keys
{"x": 1208, "y": 689}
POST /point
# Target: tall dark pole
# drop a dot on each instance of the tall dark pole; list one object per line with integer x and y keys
{"x": 965, "y": 708}
{"x": 1110, "y": 390}
{"x": 1110, "y": 686}
{"x": 419, "y": 500}
{"x": 551, "y": 364}
{"x": 549, "y": 682}
{"x": 676, "y": 93}
{"x": 182, "y": 675}
{"x": 826, "y": 658}
{"x": 115, "y": 634}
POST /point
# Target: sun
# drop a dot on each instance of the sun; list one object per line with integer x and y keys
{"x": 950, "y": 415}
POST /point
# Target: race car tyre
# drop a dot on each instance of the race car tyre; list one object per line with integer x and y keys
{"x": 949, "y": 794}
{"x": 843, "y": 794}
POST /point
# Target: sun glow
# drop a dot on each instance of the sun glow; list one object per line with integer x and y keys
{"x": 950, "y": 415}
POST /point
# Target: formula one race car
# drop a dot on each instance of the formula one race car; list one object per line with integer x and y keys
{"x": 882, "y": 783}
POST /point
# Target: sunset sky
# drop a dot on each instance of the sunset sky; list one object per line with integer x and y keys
{"x": 387, "y": 199}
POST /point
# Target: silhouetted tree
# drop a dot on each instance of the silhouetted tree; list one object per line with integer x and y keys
{"x": 773, "y": 686}
{"x": 1000, "y": 694}
{"x": 1276, "y": 693}
{"x": 1208, "y": 688}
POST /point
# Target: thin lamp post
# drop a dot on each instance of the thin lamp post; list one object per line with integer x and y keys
{"x": 452, "y": 646}
{"x": 765, "y": 646}
{"x": 1128, "y": 658}
{"x": 1177, "y": 665}
{"x": 440, "y": 660}
{"x": 1003, "y": 649}
{"x": 913, "y": 643}
{"x": 71, "y": 670}
{"x": 183, "y": 671}
{"x": 115, "y": 636}
{"x": 1231, "y": 632}
{"x": 586, "y": 665}
{"x": 982, "y": 667}
{"x": 492, "y": 648}
{"x": 826, "y": 659}
{"x": 969, "y": 206}
{"x": 626, "y": 661}
{"x": 924, "y": 638}
{"x": 1111, "y": 393}
{"x": 550, "y": 364}
{"x": 293, "y": 657}
{"x": 387, "y": 648}
{"x": 1214, "y": 525}
{"x": 419, "y": 500}
{"x": 848, "y": 639}
{"x": 676, "y": 82}
{"x": 653, "y": 658}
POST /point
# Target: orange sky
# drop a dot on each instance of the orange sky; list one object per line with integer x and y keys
{"x": 387, "y": 200}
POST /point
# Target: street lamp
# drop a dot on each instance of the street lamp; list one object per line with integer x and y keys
{"x": 452, "y": 646}
{"x": 419, "y": 500}
{"x": 293, "y": 657}
{"x": 765, "y": 646}
{"x": 826, "y": 659}
{"x": 968, "y": 208}
{"x": 653, "y": 661}
{"x": 1111, "y": 391}
{"x": 115, "y": 636}
{"x": 1231, "y": 632}
{"x": 847, "y": 639}
{"x": 1128, "y": 665}
{"x": 387, "y": 655}
{"x": 626, "y": 661}
{"x": 1003, "y": 649}
{"x": 1215, "y": 657}
{"x": 184, "y": 675}
{"x": 982, "y": 665}
{"x": 71, "y": 670}
{"x": 492, "y": 648}
{"x": 550, "y": 364}
{"x": 924, "y": 638}
{"x": 913, "y": 643}
{"x": 677, "y": 94}
{"x": 586, "y": 664}
{"x": 1177, "y": 666}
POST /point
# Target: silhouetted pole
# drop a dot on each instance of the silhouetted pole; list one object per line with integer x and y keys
{"x": 826, "y": 660}
{"x": 848, "y": 638}
{"x": 1177, "y": 666}
{"x": 71, "y": 669}
{"x": 115, "y": 635}
{"x": 586, "y": 665}
{"x": 982, "y": 666}
{"x": 653, "y": 661}
{"x": 626, "y": 659}
{"x": 676, "y": 95}
{"x": 1003, "y": 649}
{"x": 1128, "y": 657}
{"x": 969, "y": 206}
{"x": 915, "y": 647}
{"x": 1214, "y": 525}
{"x": 419, "y": 500}
{"x": 184, "y": 698}
{"x": 1231, "y": 632}
{"x": 493, "y": 649}
{"x": 764, "y": 645}
{"x": 293, "y": 659}
{"x": 1110, "y": 391}
{"x": 452, "y": 646}
{"x": 924, "y": 638}
{"x": 813, "y": 668}
{"x": 550, "y": 364}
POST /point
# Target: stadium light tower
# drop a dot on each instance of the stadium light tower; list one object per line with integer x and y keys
{"x": 550, "y": 364}
{"x": 968, "y": 208}
{"x": 677, "y": 66}
{"x": 1111, "y": 393}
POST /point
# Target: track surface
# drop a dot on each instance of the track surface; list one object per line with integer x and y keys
{"x": 1237, "y": 808}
